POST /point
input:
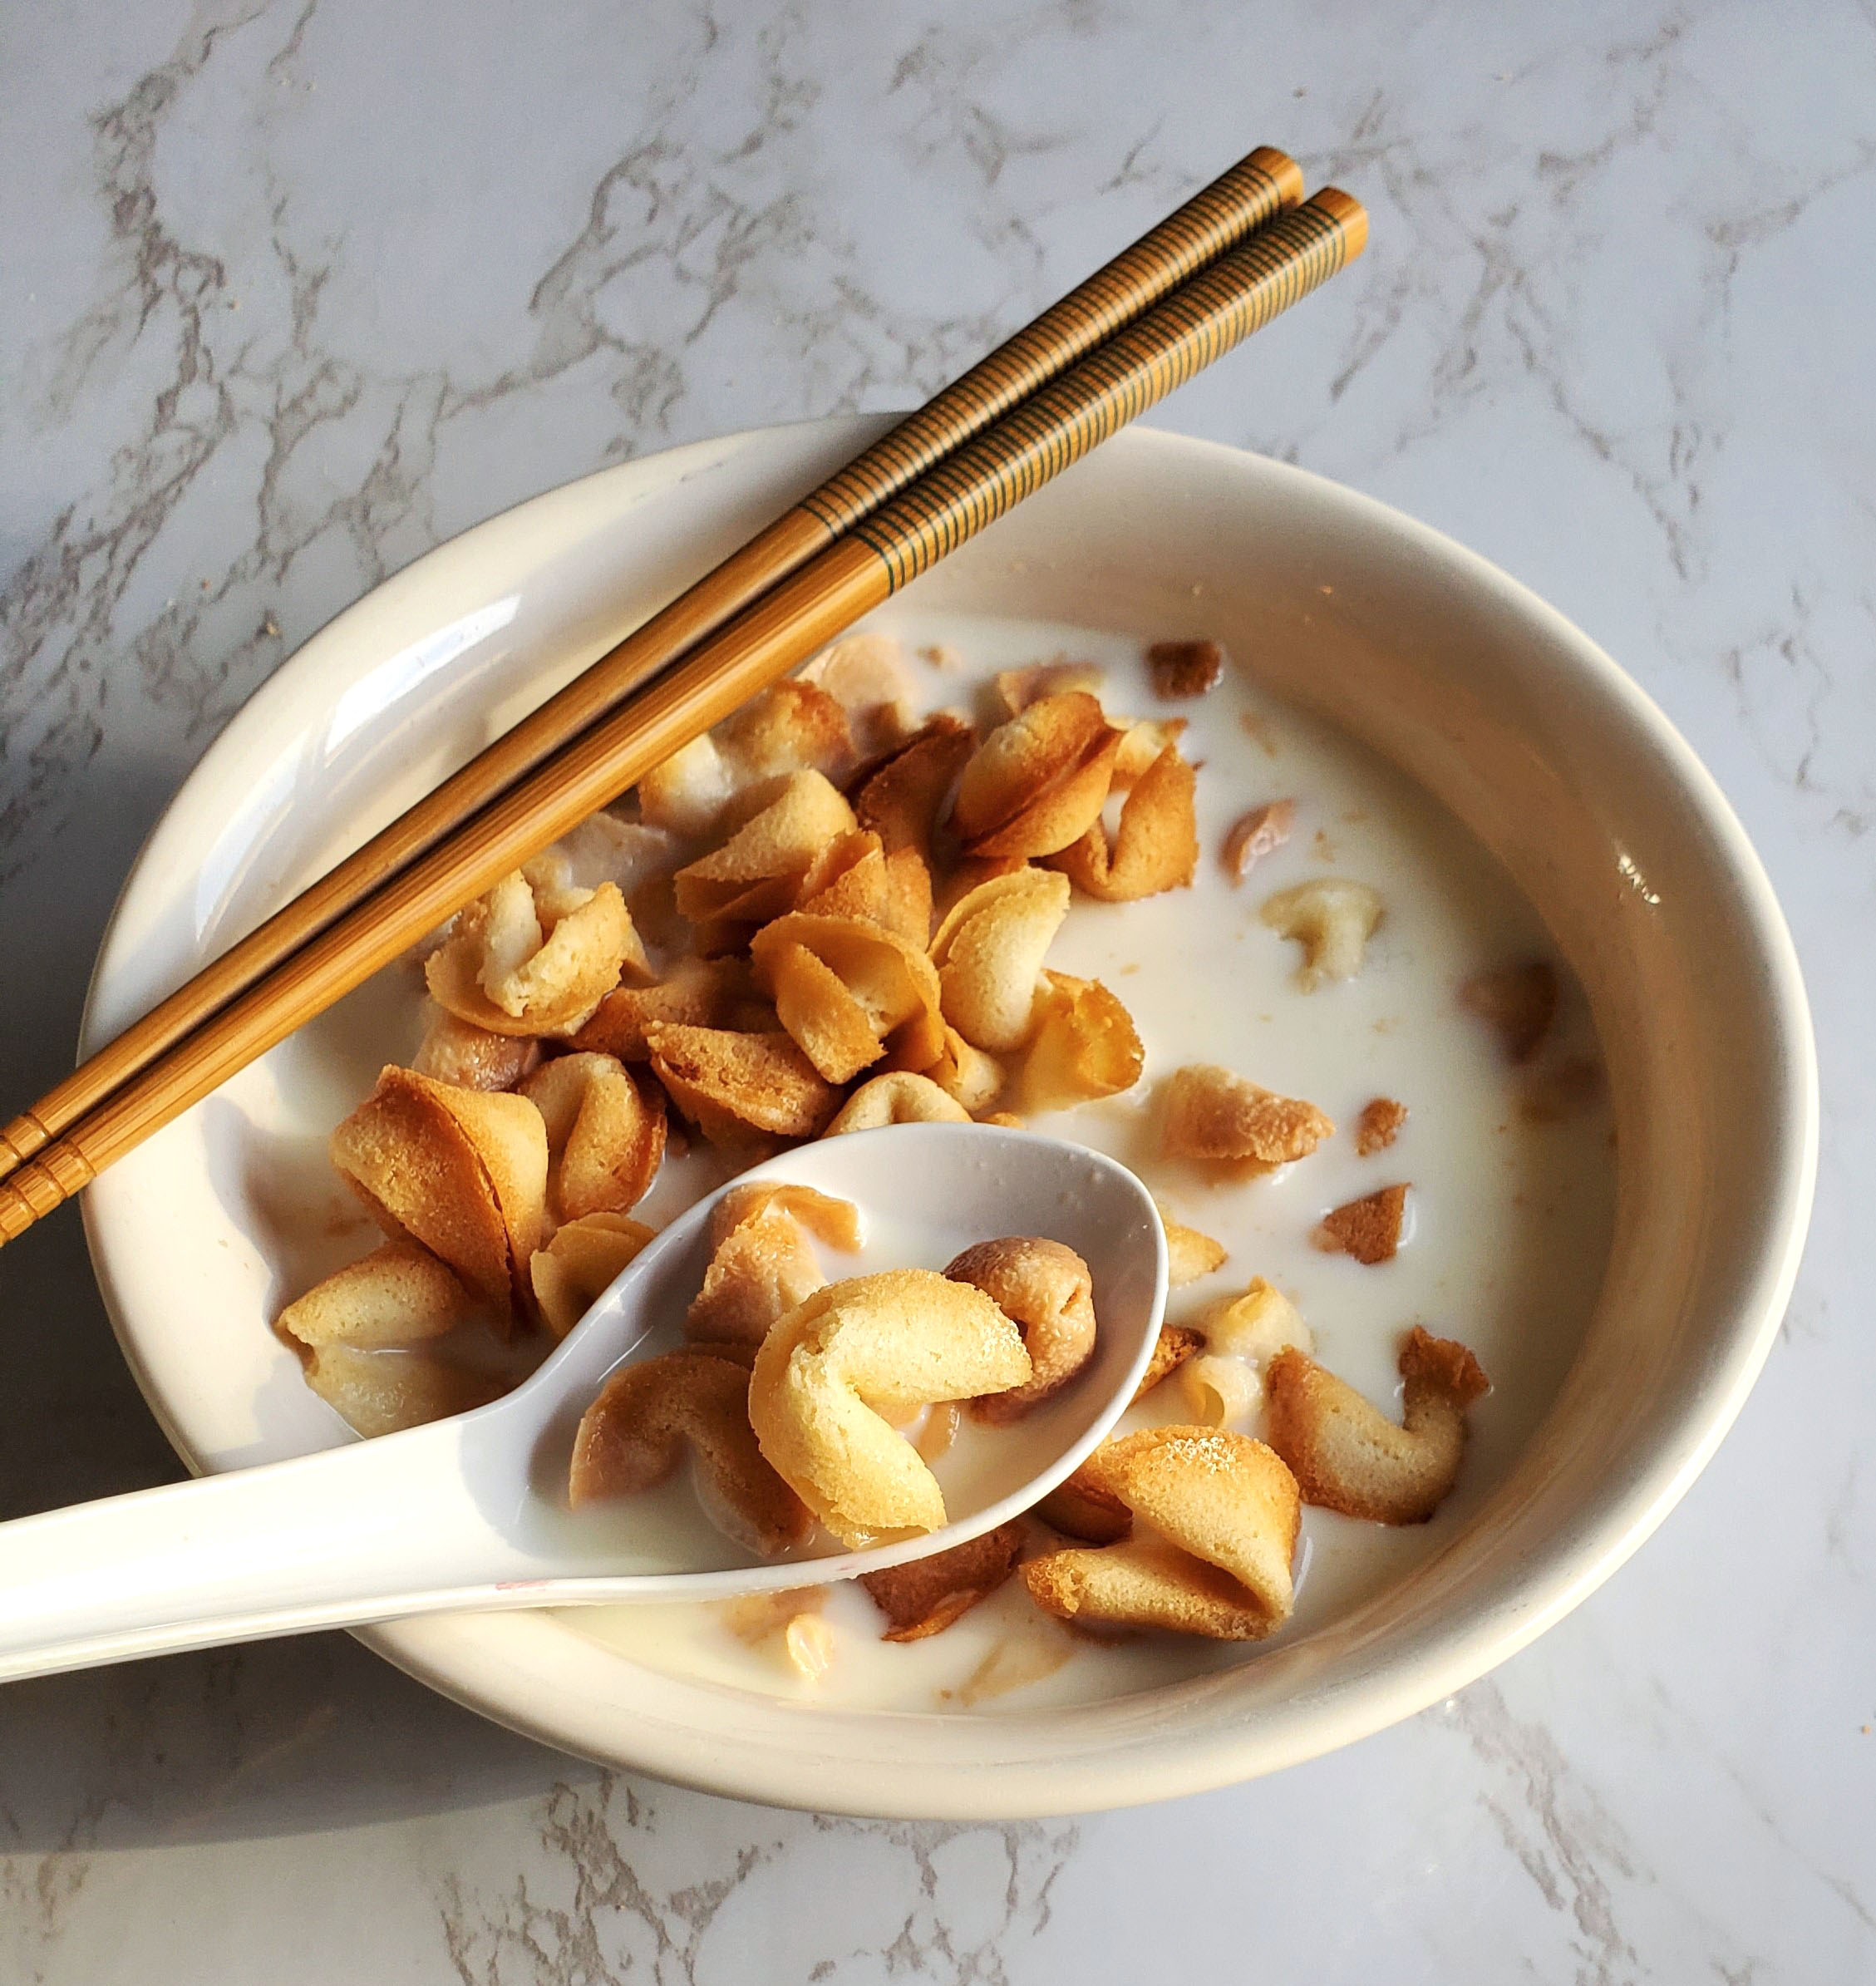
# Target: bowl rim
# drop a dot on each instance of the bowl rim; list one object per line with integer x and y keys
{"x": 477, "y": 1660}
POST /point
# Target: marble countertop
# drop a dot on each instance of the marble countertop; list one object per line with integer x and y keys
{"x": 295, "y": 288}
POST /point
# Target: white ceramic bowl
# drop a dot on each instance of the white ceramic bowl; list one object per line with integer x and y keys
{"x": 1528, "y": 732}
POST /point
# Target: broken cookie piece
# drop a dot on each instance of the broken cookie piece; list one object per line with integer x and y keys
{"x": 1368, "y": 1228}
{"x": 1332, "y": 920}
{"x": 1214, "y": 1113}
{"x": 924, "y": 1597}
{"x": 1189, "y": 1254}
{"x": 1176, "y": 1344}
{"x": 1255, "y": 835}
{"x": 1016, "y": 689}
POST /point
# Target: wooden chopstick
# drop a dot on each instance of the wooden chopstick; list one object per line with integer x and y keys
{"x": 932, "y": 516}
{"x": 1259, "y": 187}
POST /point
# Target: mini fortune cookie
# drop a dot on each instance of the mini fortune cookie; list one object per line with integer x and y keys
{"x": 1349, "y": 1456}
{"x": 1155, "y": 845}
{"x": 523, "y": 961}
{"x": 1224, "y": 1513}
{"x": 1045, "y": 1288}
{"x": 849, "y": 991}
{"x": 576, "y": 1265}
{"x": 400, "y": 1294}
{"x": 1037, "y": 783}
{"x": 989, "y": 950}
{"x": 972, "y": 1079}
{"x": 634, "y": 1435}
{"x": 757, "y": 873}
{"x": 464, "y": 1171}
{"x": 898, "y": 1097}
{"x": 791, "y": 727}
{"x": 1084, "y": 1046}
{"x": 1256, "y": 1325}
{"x": 475, "y": 1058}
{"x": 854, "y": 879}
{"x": 696, "y": 993}
{"x": 605, "y": 1134}
{"x": 382, "y": 1391}
{"x": 686, "y": 793}
{"x": 761, "y": 1265}
{"x": 865, "y": 674}
{"x": 1016, "y": 689}
{"x": 830, "y": 1371}
{"x": 739, "y": 1089}
{"x": 902, "y": 799}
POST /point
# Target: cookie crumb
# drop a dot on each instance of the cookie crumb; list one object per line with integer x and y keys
{"x": 1255, "y": 835}
{"x": 1378, "y": 1124}
{"x": 1185, "y": 668}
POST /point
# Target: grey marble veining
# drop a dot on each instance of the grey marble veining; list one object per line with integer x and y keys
{"x": 291, "y": 292}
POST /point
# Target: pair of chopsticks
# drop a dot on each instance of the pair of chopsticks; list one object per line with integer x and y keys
{"x": 1222, "y": 266}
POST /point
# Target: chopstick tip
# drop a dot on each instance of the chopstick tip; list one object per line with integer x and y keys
{"x": 1283, "y": 169}
{"x": 1348, "y": 214}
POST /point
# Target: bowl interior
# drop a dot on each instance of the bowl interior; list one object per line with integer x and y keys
{"x": 1527, "y": 732}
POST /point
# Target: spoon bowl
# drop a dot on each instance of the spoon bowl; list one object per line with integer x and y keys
{"x": 471, "y": 1513}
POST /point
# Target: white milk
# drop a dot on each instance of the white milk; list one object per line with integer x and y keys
{"x": 1511, "y": 1219}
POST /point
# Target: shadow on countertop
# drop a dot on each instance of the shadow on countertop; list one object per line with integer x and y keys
{"x": 268, "y": 1738}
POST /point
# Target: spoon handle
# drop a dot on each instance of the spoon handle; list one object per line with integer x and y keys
{"x": 366, "y": 1532}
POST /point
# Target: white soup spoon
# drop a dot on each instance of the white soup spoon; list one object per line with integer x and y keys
{"x": 471, "y": 1513}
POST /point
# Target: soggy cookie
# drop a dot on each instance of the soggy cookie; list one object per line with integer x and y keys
{"x": 833, "y": 1374}
{"x": 1045, "y": 1288}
